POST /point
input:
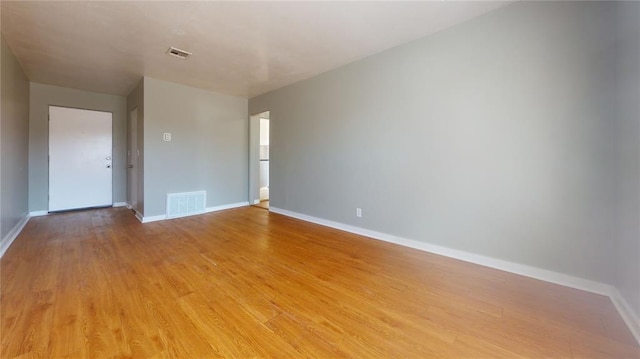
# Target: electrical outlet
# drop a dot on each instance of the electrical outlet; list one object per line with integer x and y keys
{"x": 358, "y": 212}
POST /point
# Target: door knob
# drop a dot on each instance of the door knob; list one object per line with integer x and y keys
{"x": 108, "y": 158}
{"x": 108, "y": 166}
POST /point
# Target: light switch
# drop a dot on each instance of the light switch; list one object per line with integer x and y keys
{"x": 166, "y": 136}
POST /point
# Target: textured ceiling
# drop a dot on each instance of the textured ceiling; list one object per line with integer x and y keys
{"x": 239, "y": 48}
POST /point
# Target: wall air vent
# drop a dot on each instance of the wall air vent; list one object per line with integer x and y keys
{"x": 186, "y": 204}
{"x": 178, "y": 53}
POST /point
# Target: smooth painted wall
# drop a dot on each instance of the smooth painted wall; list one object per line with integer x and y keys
{"x": 209, "y": 147}
{"x": 42, "y": 96}
{"x": 135, "y": 100}
{"x": 492, "y": 137}
{"x": 628, "y": 154}
{"x": 14, "y": 139}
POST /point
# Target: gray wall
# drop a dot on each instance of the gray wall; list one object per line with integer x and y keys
{"x": 44, "y": 95}
{"x": 209, "y": 150}
{"x": 14, "y": 139}
{"x": 136, "y": 100}
{"x": 491, "y": 137}
{"x": 628, "y": 147}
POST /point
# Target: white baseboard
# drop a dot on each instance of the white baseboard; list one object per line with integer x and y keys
{"x": 163, "y": 217}
{"x": 120, "y": 204}
{"x": 622, "y": 306}
{"x": 226, "y": 206}
{"x": 149, "y": 219}
{"x": 38, "y": 213}
{"x": 12, "y": 235}
{"x": 533, "y": 272}
{"x": 139, "y": 216}
{"x": 626, "y": 312}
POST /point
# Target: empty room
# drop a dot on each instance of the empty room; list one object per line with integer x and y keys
{"x": 294, "y": 179}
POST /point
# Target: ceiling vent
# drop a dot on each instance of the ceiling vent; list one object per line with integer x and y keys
{"x": 178, "y": 53}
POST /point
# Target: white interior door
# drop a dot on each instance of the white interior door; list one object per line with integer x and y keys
{"x": 132, "y": 166}
{"x": 80, "y": 158}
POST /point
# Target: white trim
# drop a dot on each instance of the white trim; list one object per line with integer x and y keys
{"x": 533, "y": 272}
{"x": 166, "y": 216}
{"x": 119, "y": 204}
{"x": 163, "y": 217}
{"x": 128, "y": 206}
{"x": 623, "y": 307}
{"x": 12, "y": 235}
{"x": 626, "y": 312}
{"x": 226, "y": 206}
{"x": 38, "y": 213}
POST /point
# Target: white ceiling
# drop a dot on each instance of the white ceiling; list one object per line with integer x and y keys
{"x": 239, "y": 48}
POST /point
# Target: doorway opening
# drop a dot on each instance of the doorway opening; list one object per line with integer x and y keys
{"x": 259, "y": 160}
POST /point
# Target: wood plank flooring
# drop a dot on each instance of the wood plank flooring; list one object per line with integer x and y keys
{"x": 247, "y": 283}
{"x": 263, "y": 204}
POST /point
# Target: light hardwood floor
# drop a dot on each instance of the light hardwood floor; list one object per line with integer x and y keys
{"x": 249, "y": 283}
{"x": 263, "y": 204}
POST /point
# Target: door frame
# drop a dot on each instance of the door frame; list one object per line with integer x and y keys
{"x": 133, "y": 155}
{"x": 254, "y": 156}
